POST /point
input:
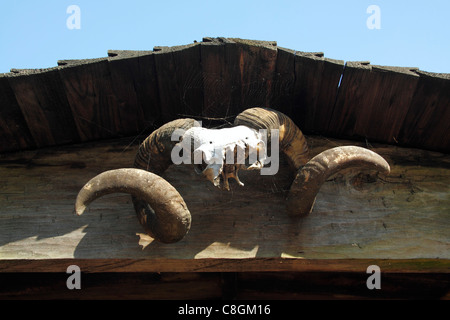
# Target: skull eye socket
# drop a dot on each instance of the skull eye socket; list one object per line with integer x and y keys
{"x": 200, "y": 167}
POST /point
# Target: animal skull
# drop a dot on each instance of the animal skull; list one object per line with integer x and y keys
{"x": 220, "y": 153}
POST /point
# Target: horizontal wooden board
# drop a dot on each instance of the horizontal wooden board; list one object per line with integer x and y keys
{"x": 223, "y": 287}
{"x": 227, "y": 265}
{"x": 401, "y": 219}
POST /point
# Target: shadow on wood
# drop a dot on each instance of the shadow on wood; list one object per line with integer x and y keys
{"x": 357, "y": 215}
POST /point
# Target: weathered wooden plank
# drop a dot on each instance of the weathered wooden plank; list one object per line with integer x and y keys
{"x": 148, "y": 286}
{"x": 41, "y": 97}
{"x": 237, "y": 74}
{"x": 179, "y": 81}
{"x": 316, "y": 86}
{"x": 308, "y": 75}
{"x": 403, "y": 216}
{"x": 216, "y": 79}
{"x": 257, "y": 64}
{"x": 373, "y": 94}
{"x": 282, "y": 93}
{"x": 146, "y": 86}
{"x": 224, "y": 285}
{"x": 306, "y": 87}
{"x": 221, "y": 84}
{"x": 426, "y": 124}
{"x": 329, "y": 88}
{"x": 345, "y": 115}
{"x": 388, "y": 103}
{"x": 256, "y": 264}
{"x": 14, "y": 132}
{"x": 189, "y": 78}
{"x": 93, "y": 102}
{"x": 339, "y": 285}
{"x": 137, "y": 71}
{"x": 124, "y": 68}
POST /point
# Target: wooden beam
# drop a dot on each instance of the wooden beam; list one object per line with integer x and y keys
{"x": 393, "y": 266}
{"x": 399, "y": 219}
{"x": 130, "y": 93}
{"x": 316, "y": 87}
{"x": 281, "y": 286}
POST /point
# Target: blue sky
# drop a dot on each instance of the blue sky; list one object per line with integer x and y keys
{"x": 33, "y": 34}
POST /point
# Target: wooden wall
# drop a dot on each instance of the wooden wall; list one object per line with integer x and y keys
{"x": 241, "y": 245}
{"x": 133, "y": 92}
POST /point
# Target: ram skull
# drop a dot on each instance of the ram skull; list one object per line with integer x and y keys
{"x": 219, "y": 154}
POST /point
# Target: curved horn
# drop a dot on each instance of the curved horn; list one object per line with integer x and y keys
{"x": 159, "y": 207}
{"x": 313, "y": 173}
{"x": 310, "y": 178}
{"x": 292, "y": 140}
{"x": 171, "y": 218}
{"x": 154, "y": 152}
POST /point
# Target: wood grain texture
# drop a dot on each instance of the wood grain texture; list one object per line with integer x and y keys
{"x": 125, "y": 69}
{"x": 400, "y": 220}
{"x": 14, "y": 131}
{"x": 427, "y": 116}
{"x": 95, "y": 107}
{"x": 42, "y": 100}
{"x": 373, "y": 101}
{"x": 282, "y": 97}
{"x": 222, "y": 286}
{"x": 220, "y": 79}
{"x": 316, "y": 87}
{"x": 180, "y": 82}
{"x": 238, "y": 74}
{"x": 305, "y": 88}
{"x": 257, "y": 63}
{"x": 131, "y": 92}
{"x": 136, "y": 71}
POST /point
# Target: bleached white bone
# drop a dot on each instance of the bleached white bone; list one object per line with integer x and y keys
{"x": 218, "y": 147}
